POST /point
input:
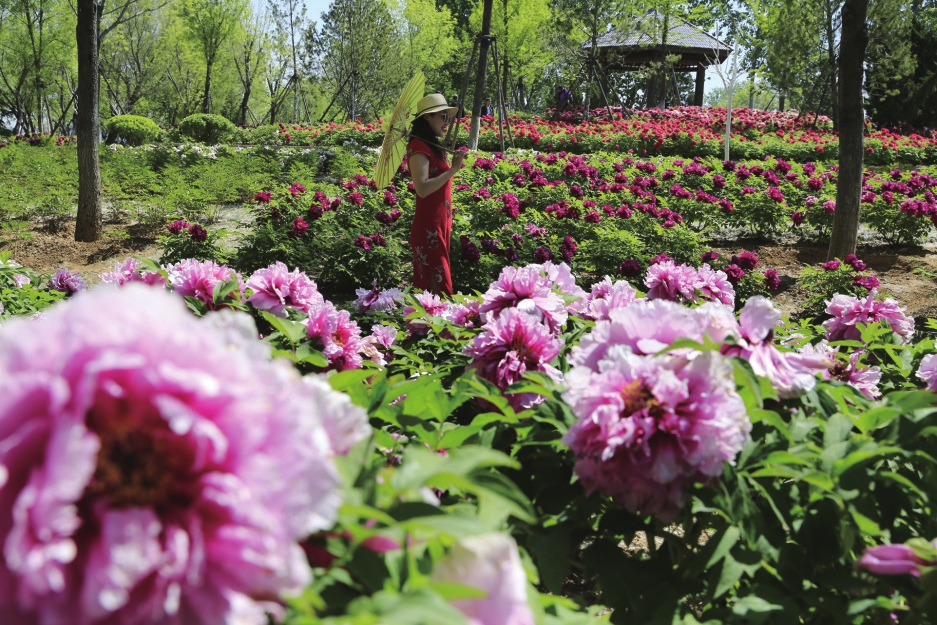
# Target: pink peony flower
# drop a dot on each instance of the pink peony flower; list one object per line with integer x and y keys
{"x": 433, "y": 306}
{"x": 606, "y": 296}
{"x": 892, "y": 560}
{"x": 847, "y": 311}
{"x": 648, "y": 326}
{"x": 276, "y": 288}
{"x": 511, "y": 344}
{"x": 383, "y": 300}
{"x": 337, "y": 336}
{"x": 791, "y": 374}
{"x": 157, "y": 467}
{"x": 198, "y": 279}
{"x": 129, "y": 271}
{"x": 669, "y": 281}
{"x": 864, "y": 378}
{"x": 20, "y": 280}
{"x": 928, "y": 371}
{"x": 491, "y": 563}
{"x": 650, "y": 427}
{"x": 67, "y": 282}
{"x": 464, "y": 313}
{"x": 714, "y": 285}
{"x": 531, "y": 291}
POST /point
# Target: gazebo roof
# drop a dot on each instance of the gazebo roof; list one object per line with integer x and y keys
{"x": 630, "y": 51}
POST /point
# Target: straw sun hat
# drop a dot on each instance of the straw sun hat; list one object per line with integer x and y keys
{"x": 434, "y": 103}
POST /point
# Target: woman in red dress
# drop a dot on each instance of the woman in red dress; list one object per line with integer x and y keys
{"x": 432, "y": 181}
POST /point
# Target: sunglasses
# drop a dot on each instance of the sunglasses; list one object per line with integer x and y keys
{"x": 445, "y": 116}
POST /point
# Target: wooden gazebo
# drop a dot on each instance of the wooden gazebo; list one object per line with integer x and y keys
{"x": 632, "y": 51}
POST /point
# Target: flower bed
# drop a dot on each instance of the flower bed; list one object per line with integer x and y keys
{"x": 518, "y": 441}
{"x": 684, "y": 131}
{"x": 604, "y": 215}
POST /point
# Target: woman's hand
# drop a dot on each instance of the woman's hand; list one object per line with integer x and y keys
{"x": 458, "y": 159}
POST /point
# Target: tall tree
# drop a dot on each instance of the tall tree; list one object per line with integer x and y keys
{"x": 519, "y": 26}
{"x": 289, "y": 16}
{"x": 855, "y": 38}
{"x": 427, "y": 37}
{"x": 480, "y": 74}
{"x": 88, "y": 223}
{"x": 356, "y": 55}
{"x": 211, "y": 23}
{"x": 250, "y": 51}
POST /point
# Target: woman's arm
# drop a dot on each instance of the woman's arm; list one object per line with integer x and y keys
{"x": 419, "y": 168}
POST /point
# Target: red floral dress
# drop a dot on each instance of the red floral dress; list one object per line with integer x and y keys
{"x": 432, "y": 227}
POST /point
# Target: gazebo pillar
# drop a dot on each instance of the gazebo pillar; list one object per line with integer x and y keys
{"x": 700, "y": 85}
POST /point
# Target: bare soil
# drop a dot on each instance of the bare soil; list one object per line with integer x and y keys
{"x": 894, "y": 266}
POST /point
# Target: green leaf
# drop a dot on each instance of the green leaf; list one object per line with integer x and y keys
{"x": 292, "y": 330}
{"x": 451, "y": 591}
{"x": 857, "y": 457}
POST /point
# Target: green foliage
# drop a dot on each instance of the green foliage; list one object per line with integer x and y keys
{"x": 820, "y": 283}
{"x": 205, "y": 128}
{"x": 132, "y": 129}
{"x": 22, "y": 291}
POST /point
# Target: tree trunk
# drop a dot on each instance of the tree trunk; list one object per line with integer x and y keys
{"x": 855, "y": 38}
{"x": 206, "y": 97}
{"x": 479, "y": 95}
{"x": 88, "y": 225}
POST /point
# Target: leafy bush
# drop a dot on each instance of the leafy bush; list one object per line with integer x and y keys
{"x": 205, "y": 128}
{"x": 132, "y": 129}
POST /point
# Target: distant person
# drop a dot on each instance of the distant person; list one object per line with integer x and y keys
{"x": 457, "y": 105}
{"x": 486, "y": 108}
{"x": 563, "y": 98}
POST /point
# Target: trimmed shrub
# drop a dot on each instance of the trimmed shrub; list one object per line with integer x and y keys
{"x": 210, "y": 129}
{"x": 133, "y": 129}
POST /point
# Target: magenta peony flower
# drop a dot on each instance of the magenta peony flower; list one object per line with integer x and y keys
{"x": 649, "y": 427}
{"x": 337, "y": 336}
{"x": 629, "y": 268}
{"x": 847, "y": 311}
{"x": 892, "y": 560}
{"x": 772, "y": 280}
{"x": 129, "y": 271}
{"x": 178, "y": 226}
{"x": 491, "y": 563}
{"x": 746, "y": 260}
{"x": 67, "y": 282}
{"x": 198, "y": 233}
{"x": 528, "y": 289}
{"x": 866, "y": 282}
{"x": 511, "y": 344}
{"x": 831, "y": 265}
{"x": 263, "y": 197}
{"x": 276, "y": 289}
{"x": 198, "y": 279}
{"x": 299, "y": 227}
{"x": 157, "y": 468}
